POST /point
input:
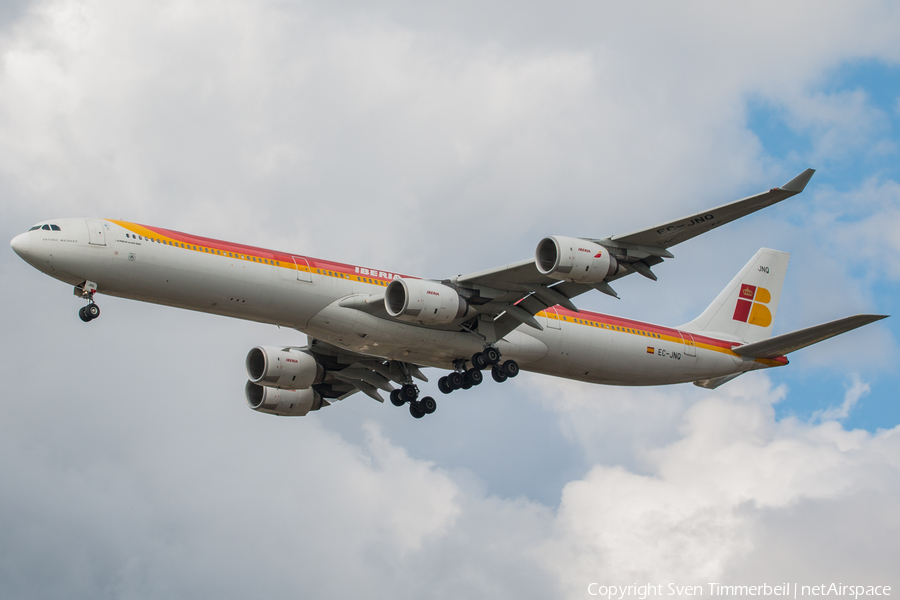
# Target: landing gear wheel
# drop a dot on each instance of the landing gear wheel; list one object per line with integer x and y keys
{"x": 455, "y": 380}
{"x": 492, "y": 355}
{"x": 397, "y": 398}
{"x": 444, "y": 386}
{"x": 510, "y": 368}
{"x": 416, "y": 409}
{"x": 83, "y": 315}
{"x": 409, "y": 392}
{"x": 479, "y": 361}
{"x": 466, "y": 381}
{"x": 429, "y": 405}
{"x": 92, "y": 311}
{"x": 498, "y": 375}
{"x": 475, "y": 376}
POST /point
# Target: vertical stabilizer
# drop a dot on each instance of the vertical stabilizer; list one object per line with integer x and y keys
{"x": 746, "y": 308}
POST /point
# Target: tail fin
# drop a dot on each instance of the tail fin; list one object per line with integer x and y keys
{"x": 745, "y": 309}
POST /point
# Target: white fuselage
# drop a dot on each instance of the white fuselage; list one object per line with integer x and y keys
{"x": 317, "y": 297}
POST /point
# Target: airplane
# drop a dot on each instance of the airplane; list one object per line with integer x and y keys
{"x": 370, "y": 330}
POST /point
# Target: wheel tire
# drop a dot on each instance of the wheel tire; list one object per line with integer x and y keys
{"x": 416, "y": 410}
{"x": 498, "y": 375}
{"x": 83, "y": 315}
{"x": 475, "y": 376}
{"x": 397, "y": 398}
{"x": 444, "y": 386}
{"x": 479, "y": 361}
{"x": 466, "y": 381}
{"x": 409, "y": 392}
{"x": 492, "y": 355}
{"x": 429, "y": 405}
{"x": 92, "y": 311}
{"x": 510, "y": 368}
{"x": 454, "y": 380}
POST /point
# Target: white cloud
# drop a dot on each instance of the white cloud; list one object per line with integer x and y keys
{"x": 434, "y": 141}
{"x": 854, "y": 392}
{"x": 696, "y": 515}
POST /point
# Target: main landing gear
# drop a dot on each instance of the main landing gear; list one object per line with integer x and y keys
{"x": 410, "y": 393}
{"x": 464, "y": 379}
{"x": 461, "y": 378}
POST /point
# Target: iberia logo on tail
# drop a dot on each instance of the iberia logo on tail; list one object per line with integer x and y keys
{"x": 751, "y": 306}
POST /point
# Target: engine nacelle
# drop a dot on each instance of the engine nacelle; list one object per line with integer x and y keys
{"x": 284, "y": 403}
{"x": 285, "y": 368}
{"x": 574, "y": 259}
{"x": 423, "y": 301}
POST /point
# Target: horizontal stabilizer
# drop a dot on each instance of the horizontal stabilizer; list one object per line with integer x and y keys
{"x": 789, "y": 342}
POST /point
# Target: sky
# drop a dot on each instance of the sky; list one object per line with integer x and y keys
{"x": 438, "y": 140}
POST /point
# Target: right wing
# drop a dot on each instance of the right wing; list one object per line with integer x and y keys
{"x": 520, "y": 290}
{"x": 674, "y": 232}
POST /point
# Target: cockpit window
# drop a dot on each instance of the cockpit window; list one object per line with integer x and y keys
{"x": 54, "y": 227}
{"x": 46, "y": 228}
{"x": 35, "y": 227}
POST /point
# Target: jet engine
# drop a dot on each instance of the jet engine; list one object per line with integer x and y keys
{"x": 284, "y": 368}
{"x": 284, "y": 403}
{"x": 423, "y": 301}
{"x": 574, "y": 259}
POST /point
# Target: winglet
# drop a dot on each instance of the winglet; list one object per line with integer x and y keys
{"x": 799, "y": 182}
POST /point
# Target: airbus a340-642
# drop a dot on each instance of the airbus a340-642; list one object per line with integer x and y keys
{"x": 370, "y": 329}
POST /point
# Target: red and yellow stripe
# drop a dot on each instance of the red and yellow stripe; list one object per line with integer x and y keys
{"x": 325, "y": 268}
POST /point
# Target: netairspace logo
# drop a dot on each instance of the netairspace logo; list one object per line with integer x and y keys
{"x": 782, "y": 590}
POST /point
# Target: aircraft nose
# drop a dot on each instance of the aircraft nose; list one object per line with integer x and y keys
{"x": 21, "y": 244}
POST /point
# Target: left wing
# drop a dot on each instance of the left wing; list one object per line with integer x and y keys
{"x": 520, "y": 290}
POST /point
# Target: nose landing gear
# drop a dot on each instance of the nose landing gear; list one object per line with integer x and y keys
{"x": 87, "y": 290}
{"x": 89, "y": 312}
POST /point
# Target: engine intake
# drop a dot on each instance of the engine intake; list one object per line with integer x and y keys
{"x": 574, "y": 259}
{"x": 284, "y": 368}
{"x": 423, "y": 301}
{"x": 284, "y": 403}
